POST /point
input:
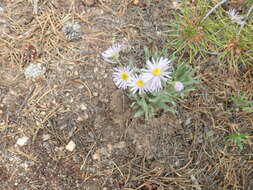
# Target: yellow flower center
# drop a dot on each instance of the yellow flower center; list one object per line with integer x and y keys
{"x": 140, "y": 83}
{"x": 156, "y": 71}
{"x": 124, "y": 76}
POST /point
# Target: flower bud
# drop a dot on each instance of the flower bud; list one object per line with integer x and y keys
{"x": 179, "y": 86}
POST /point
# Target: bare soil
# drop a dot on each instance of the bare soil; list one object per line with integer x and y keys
{"x": 77, "y": 100}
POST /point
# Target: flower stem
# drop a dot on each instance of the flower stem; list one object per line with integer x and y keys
{"x": 213, "y": 9}
{"x": 246, "y": 17}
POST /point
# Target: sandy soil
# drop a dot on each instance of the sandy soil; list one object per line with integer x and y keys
{"x": 76, "y": 100}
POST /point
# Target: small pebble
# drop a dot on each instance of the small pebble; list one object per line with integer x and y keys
{"x": 46, "y": 137}
{"x": 1, "y": 10}
{"x": 96, "y": 156}
{"x": 89, "y": 2}
{"x": 43, "y": 113}
{"x": 22, "y": 141}
{"x": 84, "y": 117}
{"x": 83, "y": 107}
{"x": 95, "y": 94}
{"x": 70, "y": 146}
{"x": 34, "y": 70}
{"x": 95, "y": 69}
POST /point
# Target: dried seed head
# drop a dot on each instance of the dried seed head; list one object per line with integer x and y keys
{"x": 72, "y": 31}
{"x": 29, "y": 53}
{"x": 34, "y": 70}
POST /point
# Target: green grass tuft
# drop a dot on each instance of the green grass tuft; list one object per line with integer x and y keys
{"x": 191, "y": 37}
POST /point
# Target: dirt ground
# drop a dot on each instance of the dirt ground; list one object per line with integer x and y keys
{"x": 76, "y": 100}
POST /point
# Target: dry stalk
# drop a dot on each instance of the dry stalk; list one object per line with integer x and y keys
{"x": 246, "y": 17}
{"x": 213, "y": 9}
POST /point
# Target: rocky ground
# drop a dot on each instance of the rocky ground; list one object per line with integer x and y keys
{"x": 71, "y": 128}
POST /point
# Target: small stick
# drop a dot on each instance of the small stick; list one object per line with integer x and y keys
{"x": 246, "y": 17}
{"x": 86, "y": 158}
{"x": 213, "y": 9}
{"x": 35, "y": 6}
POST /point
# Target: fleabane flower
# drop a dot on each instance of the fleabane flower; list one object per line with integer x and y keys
{"x": 121, "y": 77}
{"x": 138, "y": 84}
{"x": 232, "y": 13}
{"x": 112, "y": 52}
{"x": 156, "y": 72}
{"x": 178, "y": 86}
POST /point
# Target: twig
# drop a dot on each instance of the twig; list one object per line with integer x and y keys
{"x": 213, "y": 9}
{"x": 246, "y": 17}
{"x": 86, "y": 158}
{"x": 26, "y": 99}
{"x": 35, "y": 6}
{"x": 196, "y": 184}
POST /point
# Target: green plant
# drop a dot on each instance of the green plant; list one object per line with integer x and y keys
{"x": 166, "y": 99}
{"x": 233, "y": 47}
{"x": 186, "y": 34}
{"x": 238, "y": 139}
{"x": 241, "y": 102}
{"x": 156, "y": 86}
{"x": 207, "y": 29}
{"x": 247, "y": 3}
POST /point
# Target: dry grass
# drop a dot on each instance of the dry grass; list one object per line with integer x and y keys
{"x": 184, "y": 151}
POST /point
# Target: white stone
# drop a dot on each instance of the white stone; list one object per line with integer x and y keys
{"x": 120, "y": 145}
{"x": 95, "y": 69}
{"x": 22, "y": 141}
{"x": 96, "y": 156}
{"x": 83, "y": 107}
{"x": 70, "y": 146}
{"x": 34, "y": 70}
{"x": 46, "y": 137}
{"x": 1, "y": 10}
{"x": 95, "y": 94}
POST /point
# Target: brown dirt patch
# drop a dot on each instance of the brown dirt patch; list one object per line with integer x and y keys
{"x": 77, "y": 100}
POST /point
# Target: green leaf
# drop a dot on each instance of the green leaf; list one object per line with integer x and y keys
{"x": 248, "y": 109}
{"x": 139, "y": 113}
{"x": 239, "y": 139}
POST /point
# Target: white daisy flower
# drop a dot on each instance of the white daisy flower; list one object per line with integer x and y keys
{"x": 156, "y": 72}
{"x": 178, "y": 86}
{"x": 112, "y": 52}
{"x": 121, "y": 77}
{"x": 137, "y": 83}
{"x": 232, "y": 13}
